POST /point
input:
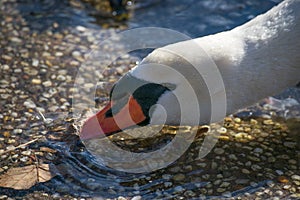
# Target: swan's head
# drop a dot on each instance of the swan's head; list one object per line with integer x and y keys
{"x": 157, "y": 91}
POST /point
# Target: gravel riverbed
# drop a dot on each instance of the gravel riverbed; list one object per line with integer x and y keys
{"x": 255, "y": 158}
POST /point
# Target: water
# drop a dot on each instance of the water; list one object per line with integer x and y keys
{"x": 80, "y": 174}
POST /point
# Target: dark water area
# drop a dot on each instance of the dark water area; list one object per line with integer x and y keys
{"x": 240, "y": 165}
{"x": 191, "y": 17}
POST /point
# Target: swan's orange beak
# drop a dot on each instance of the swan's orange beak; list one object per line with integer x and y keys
{"x": 103, "y": 124}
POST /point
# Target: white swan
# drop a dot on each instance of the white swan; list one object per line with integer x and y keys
{"x": 256, "y": 60}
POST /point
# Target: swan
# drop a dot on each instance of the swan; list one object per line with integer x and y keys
{"x": 257, "y": 59}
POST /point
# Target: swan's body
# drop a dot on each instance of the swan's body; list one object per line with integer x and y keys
{"x": 256, "y": 60}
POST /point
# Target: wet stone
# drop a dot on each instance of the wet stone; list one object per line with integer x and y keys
{"x": 295, "y": 177}
{"x": 221, "y": 190}
{"x": 178, "y": 177}
{"x": 219, "y": 151}
{"x": 290, "y": 144}
{"x": 245, "y": 171}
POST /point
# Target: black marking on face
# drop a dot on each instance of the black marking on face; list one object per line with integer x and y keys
{"x": 144, "y": 92}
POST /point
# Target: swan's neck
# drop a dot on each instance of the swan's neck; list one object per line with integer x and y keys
{"x": 259, "y": 58}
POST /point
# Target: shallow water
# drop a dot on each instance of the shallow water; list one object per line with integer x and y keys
{"x": 239, "y": 164}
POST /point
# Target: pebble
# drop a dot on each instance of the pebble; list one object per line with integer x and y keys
{"x": 219, "y": 151}
{"x": 258, "y": 150}
{"x": 29, "y": 104}
{"x": 47, "y": 83}
{"x": 225, "y": 184}
{"x": 282, "y": 179}
{"x": 168, "y": 184}
{"x": 3, "y": 197}
{"x": 221, "y": 190}
{"x": 137, "y": 198}
{"x": 35, "y": 62}
{"x": 178, "y": 189}
{"x": 245, "y": 171}
{"x": 26, "y": 153}
{"x": 268, "y": 122}
{"x": 279, "y": 172}
{"x": 59, "y": 54}
{"x": 242, "y": 181}
{"x": 81, "y": 28}
{"x": 178, "y": 177}
{"x": 279, "y": 193}
{"x": 36, "y": 81}
{"x": 286, "y": 187}
{"x": 31, "y": 71}
{"x": 24, "y": 159}
{"x": 237, "y": 120}
{"x": 291, "y": 145}
{"x": 295, "y": 177}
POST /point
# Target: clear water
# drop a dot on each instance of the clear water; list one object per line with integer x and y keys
{"x": 80, "y": 173}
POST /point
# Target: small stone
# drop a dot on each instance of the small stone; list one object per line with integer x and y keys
{"x": 296, "y": 177}
{"x": 221, "y": 190}
{"x": 279, "y": 172}
{"x": 137, "y": 198}
{"x": 47, "y": 83}
{"x": 225, "y": 184}
{"x": 26, "y": 153}
{"x": 242, "y": 181}
{"x": 245, "y": 171}
{"x": 17, "y": 131}
{"x": 224, "y": 137}
{"x": 36, "y": 81}
{"x": 168, "y": 184}
{"x": 297, "y": 183}
{"x": 16, "y": 40}
{"x": 264, "y": 134}
{"x": 219, "y": 151}
{"x": 217, "y": 182}
{"x": 166, "y": 176}
{"x": 258, "y": 150}
{"x": 214, "y": 165}
{"x": 290, "y": 144}
{"x": 10, "y": 148}
{"x": 279, "y": 193}
{"x": 222, "y": 130}
{"x": 178, "y": 177}
{"x": 6, "y": 134}
{"x": 253, "y": 121}
{"x": 282, "y": 179}
{"x": 29, "y": 104}
{"x": 76, "y": 54}
{"x": 80, "y": 28}
{"x": 35, "y": 62}
{"x": 3, "y": 197}
{"x": 59, "y": 54}
{"x": 232, "y": 157}
{"x": 286, "y": 187}
{"x": 227, "y": 194}
{"x": 268, "y": 122}
{"x": 237, "y": 120}
{"x": 24, "y": 159}
{"x": 11, "y": 141}
{"x": 178, "y": 189}
{"x": 189, "y": 193}
{"x": 61, "y": 78}
{"x": 5, "y": 67}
